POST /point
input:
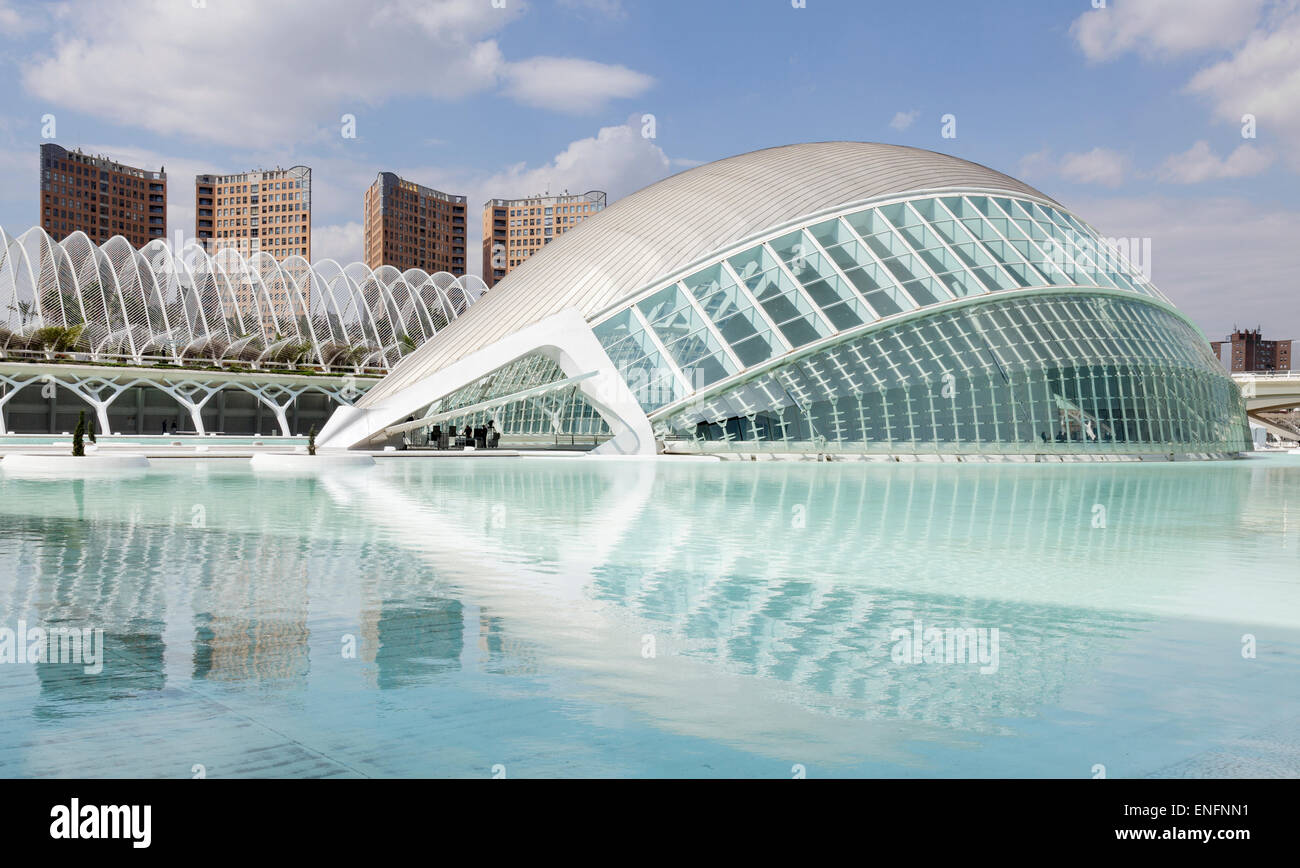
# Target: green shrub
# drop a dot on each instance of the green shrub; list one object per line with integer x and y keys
{"x": 79, "y": 435}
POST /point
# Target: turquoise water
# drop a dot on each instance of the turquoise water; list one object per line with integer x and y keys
{"x": 588, "y": 617}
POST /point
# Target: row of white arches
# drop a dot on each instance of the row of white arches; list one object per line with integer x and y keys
{"x": 188, "y": 307}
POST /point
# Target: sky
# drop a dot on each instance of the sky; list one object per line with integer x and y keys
{"x": 1174, "y": 120}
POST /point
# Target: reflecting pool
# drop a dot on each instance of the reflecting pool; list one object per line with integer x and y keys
{"x": 586, "y": 617}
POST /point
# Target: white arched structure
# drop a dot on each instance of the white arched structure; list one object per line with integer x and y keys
{"x": 114, "y": 303}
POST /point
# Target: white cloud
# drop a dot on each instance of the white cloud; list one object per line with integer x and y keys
{"x": 1164, "y": 28}
{"x": 11, "y": 23}
{"x": 1199, "y": 163}
{"x": 903, "y": 120}
{"x": 14, "y": 23}
{"x": 1220, "y": 260}
{"x": 218, "y": 72}
{"x": 617, "y": 160}
{"x": 1098, "y": 166}
{"x": 1259, "y": 77}
{"x": 1039, "y": 164}
{"x": 569, "y": 84}
{"x": 340, "y": 242}
{"x": 1262, "y": 78}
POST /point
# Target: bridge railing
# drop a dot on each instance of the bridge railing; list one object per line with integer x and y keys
{"x": 1267, "y": 375}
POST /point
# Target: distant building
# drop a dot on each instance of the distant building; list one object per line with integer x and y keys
{"x": 515, "y": 229}
{"x": 1245, "y": 351}
{"x": 255, "y": 212}
{"x": 407, "y": 225}
{"x": 100, "y": 197}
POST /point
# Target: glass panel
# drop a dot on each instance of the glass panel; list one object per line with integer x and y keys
{"x": 622, "y": 328}
{"x": 926, "y": 291}
{"x": 793, "y": 246}
{"x": 1021, "y": 375}
{"x": 663, "y": 303}
{"x": 885, "y": 244}
{"x": 760, "y": 348}
{"x": 792, "y": 314}
{"x": 868, "y": 223}
{"x": 681, "y": 322}
{"x": 708, "y": 281}
{"x": 850, "y": 254}
{"x": 826, "y": 288}
{"x": 751, "y": 263}
{"x": 830, "y": 233}
{"x": 730, "y": 310}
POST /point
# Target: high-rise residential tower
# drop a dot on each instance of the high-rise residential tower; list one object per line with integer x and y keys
{"x": 101, "y": 197}
{"x": 515, "y": 229}
{"x": 408, "y": 225}
{"x": 1248, "y": 352}
{"x": 255, "y": 212}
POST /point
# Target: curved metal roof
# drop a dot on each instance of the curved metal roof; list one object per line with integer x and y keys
{"x": 189, "y": 307}
{"x": 680, "y": 220}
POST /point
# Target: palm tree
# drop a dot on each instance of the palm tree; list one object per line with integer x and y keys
{"x": 24, "y": 309}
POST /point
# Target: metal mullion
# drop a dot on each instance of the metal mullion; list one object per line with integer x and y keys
{"x": 915, "y": 253}
{"x": 979, "y": 241}
{"x": 663, "y": 351}
{"x": 946, "y": 246}
{"x": 1007, "y": 241}
{"x": 839, "y": 272}
{"x": 754, "y": 303}
{"x": 803, "y": 293}
{"x": 1030, "y": 240}
{"x": 861, "y": 242}
{"x": 709, "y": 324}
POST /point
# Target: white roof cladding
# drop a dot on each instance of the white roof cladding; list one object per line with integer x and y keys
{"x": 680, "y": 220}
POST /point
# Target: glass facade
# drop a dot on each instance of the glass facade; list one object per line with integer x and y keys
{"x": 1064, "y": 372}
{"x": 563, "y": 411}
{"x": 1083, "y": 354}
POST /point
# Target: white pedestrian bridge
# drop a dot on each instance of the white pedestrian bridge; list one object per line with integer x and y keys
{"x": 1270, "y": 393}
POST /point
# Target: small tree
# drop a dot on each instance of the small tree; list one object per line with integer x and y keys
{"x": 311, "y": 441}
{"x": 78, "y": 436}
{"x": 90, "y": 430}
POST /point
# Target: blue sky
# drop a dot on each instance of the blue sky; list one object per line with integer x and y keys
{"x": 1129, "y": 114}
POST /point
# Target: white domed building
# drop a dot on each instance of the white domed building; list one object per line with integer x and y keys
{"x": 836, "y": 298}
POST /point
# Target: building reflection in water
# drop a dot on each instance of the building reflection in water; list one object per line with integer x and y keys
{"x": 410, "y": 640}
{"x": 771, "y": 590}
{"x": 789, "y": 579}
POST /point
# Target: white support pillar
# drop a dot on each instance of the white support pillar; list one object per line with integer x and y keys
{"x": 277, "y": 397}
{"x": 346, "y": 394}
{"x": 184, "y": 392}
{"x": 92, "y": 390}
{"x": 12, "y": 386}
